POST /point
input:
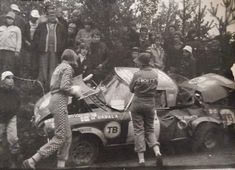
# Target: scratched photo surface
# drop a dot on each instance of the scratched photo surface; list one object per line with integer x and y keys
{"x": 190, "y": 45}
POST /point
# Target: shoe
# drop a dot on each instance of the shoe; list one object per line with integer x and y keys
{"x": 159, "y": 162}
{"x": 141, "y": 164}
{"x": 27, "y": 165}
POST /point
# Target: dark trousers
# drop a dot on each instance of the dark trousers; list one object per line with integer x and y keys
{"x": 8, "y": 61}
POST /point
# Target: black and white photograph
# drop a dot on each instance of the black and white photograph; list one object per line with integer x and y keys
{"x": 117, "y": 84}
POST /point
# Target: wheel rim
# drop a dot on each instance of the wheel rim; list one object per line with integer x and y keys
{"x": 210, "y": 140}
{"x": 82, "y": 153}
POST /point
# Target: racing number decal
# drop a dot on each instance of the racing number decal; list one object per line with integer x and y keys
{"x": 112, "y": 130}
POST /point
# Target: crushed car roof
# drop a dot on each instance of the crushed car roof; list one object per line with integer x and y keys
{"x": 213, "y": 87}
{"x": 164, "y": 81}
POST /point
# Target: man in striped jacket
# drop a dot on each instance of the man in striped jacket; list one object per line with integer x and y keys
{"x": 49, "y": 41}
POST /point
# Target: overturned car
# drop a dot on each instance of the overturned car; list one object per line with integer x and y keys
{"x": 197, "y": 110}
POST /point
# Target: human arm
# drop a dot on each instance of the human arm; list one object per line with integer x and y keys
{"x": 18, "y": 40}
{"x": 132, "y": 83}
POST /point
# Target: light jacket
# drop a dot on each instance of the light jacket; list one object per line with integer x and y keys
{"x": 10, "y": 38}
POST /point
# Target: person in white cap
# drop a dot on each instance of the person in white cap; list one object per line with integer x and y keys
{"x": 21, "y": 23}
{"x": 33, "y": 22}
{"x": 10, "y": 43}
{"x": 15, "y": 7}
{"x": 9, "y": 106}
{"x": 187, "y": 63}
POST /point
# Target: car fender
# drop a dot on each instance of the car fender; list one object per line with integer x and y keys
{"x": 93, "y": 131}
{"x": 200, "y": 120}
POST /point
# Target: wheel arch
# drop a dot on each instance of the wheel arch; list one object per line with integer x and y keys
{"x": 201, "y": 120}
{"x": 91, "y": 131}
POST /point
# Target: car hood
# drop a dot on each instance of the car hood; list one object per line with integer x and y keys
{"x": 213, "y": 87}
{"x": 41, "y": 109}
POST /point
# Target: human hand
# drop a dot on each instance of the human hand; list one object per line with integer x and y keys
{"x": 76, "y": 90}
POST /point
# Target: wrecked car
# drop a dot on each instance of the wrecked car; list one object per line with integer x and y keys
{"x": 196, "y": 110}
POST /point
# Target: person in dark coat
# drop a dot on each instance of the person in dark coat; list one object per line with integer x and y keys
{"x": 49, "y": 41}
{"x": 98, "y": 58}
{"x": 9, "y": 107}
{"x": 187, "y": 64}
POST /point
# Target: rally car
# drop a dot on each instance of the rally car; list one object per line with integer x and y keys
{"x": 196, "y": 110}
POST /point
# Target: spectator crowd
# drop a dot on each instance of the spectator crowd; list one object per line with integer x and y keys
{"x": 35, "y": 44}
{"x": 39, "y": 40}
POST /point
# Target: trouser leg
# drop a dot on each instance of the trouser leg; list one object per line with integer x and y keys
{"x": 149, "y": 128}
{"x": 62, "y": 133}
{"x": 43, "y": 68}
{"x": 138, "y": 125}
{"x": 12, "y": 137}
{"x": 63, "y": 152}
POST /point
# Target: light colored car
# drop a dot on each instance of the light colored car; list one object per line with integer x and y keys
{"x": 100, "y": 118}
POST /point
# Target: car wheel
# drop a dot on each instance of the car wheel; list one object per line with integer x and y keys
{"x": 207, "y": 137}
{"x": 84, "y": 150}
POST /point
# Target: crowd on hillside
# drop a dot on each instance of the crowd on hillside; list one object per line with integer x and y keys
{"x": 53, "y": 49}
{"x": 39, "y": 40}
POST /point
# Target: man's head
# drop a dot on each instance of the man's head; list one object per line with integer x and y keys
{"x": 71, "y": 57}
{"x": 84, "y": 49}
{"x": 135, "y": 52}
{"x": 88, "y": 24}
{"x": 158, "y": 39}
{"x": 72, "y": 28}
{"x": 143, "y": 59}
{"x": 96, "y": 36}
{"x": 51, "y": 14}
{"x": 172, "y": 29}
{"x": 10, "y": 18}
{"x": 59, "y": 12}
{"x": 144, "y": 31}
{"x": 7, "y": 79}
{"x": 187, "y": 51}
{"x": 15, "y": 8}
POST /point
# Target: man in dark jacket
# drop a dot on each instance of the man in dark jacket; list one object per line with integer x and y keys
{"x": 99, "y": 56}
{"x": 9, "y": 106}
{"x": 49, "y": 40}
{"x": 144, "y": 85}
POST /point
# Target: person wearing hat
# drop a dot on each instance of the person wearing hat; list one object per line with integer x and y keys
{"x": 60, "y": 88}
{"x": 84, "y": 35}
{"x": 10, "y": 43}
{"x": 9, "y": 106}
{"x": 49, "y": 41}
{"x": 21, "y": 23}
{"x": 33, "y": 22}
{"x": 187, "y": 64}
{"x": 144, "y": 86}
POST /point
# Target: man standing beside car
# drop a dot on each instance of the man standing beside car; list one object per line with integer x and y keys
{"x": 144, "y": 85}
{"x": 60, "y": 87}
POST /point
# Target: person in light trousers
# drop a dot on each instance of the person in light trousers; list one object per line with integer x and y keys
{"x": 144, "y": 85}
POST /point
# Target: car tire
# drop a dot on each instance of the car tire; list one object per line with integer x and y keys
{"x": 207, "y": 137}
{"x": 84, "y": 150}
